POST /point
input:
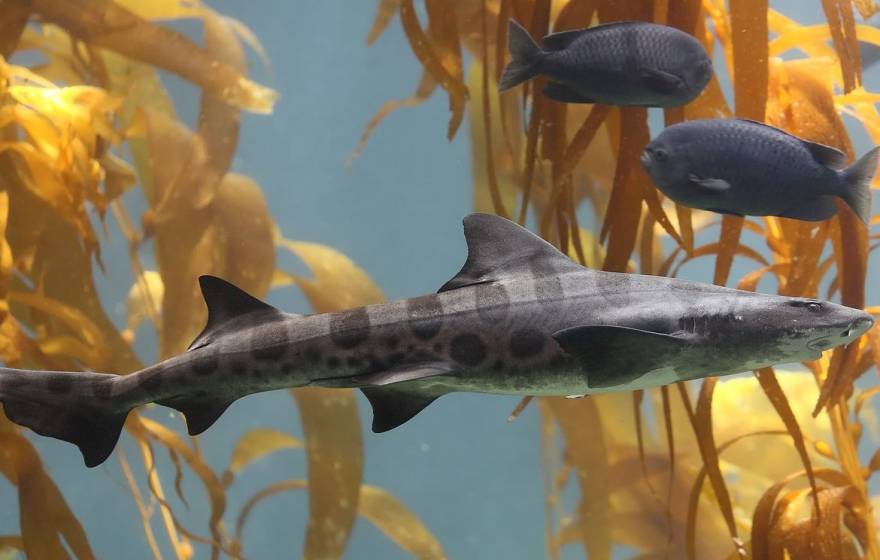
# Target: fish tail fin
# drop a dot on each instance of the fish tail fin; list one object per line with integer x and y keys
{"x": 857, "y": 184}
{"x": 526, "y": 56}
{"x": 77, "y": 407}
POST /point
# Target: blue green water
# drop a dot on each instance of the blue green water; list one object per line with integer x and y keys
{"x": 472, "y": 478}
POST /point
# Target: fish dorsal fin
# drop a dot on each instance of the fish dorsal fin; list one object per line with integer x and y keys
{"x": 562, "y": 39}
{"x": 499, "y": 248}
{"x": 826, "y": 155}
{"x": 225, "y": 302}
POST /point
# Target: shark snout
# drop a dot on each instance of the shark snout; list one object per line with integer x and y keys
{"x": 858, "y": 327}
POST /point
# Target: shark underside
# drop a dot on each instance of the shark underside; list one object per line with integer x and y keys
{"x": 519, "y": 318}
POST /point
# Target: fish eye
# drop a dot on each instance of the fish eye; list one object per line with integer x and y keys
{"x": 811, "y": 306}
{"x": 660, "y": 155}
{"x": 814, "y": 306}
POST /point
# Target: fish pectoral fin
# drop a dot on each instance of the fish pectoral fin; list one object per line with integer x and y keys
{"x": 562, "y": 93}
{"x": 660, "y": 81}
{"x": 612, "y": 356}
{"x": 813, "y": 210}
{"x": 200, "y": 412}
{"x": 709, "y": 185}
{"x": 393, "y": 407}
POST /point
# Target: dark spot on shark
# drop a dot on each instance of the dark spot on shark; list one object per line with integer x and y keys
{"x": 286, "y": 368}
{"x": 273, "y": 352}
{"x": 498, "y": 365}
{"x": 350, "y": 328}
{"x": 333, "y": 362}
{"x": 374, "y": 365}
{"x": 548, "y": 284}
{"x": 526, "y": 343}
{"x": 353, "y": 361}
{"x": 438, "y": 347}
{"x": 313, "y": 355}
{"x": 151, "y": 381}
{"x": 103, "y": 388}
{"x": 410, "y": 347}
{"x": 391, "y": 342}
{"x": 60, "y": 383}
{"x": 468, "y": 349}
{"x": 425, "y": 316}
{"x": 238, "y": 366}
{"x": 206, "y": 364}
{"x": 492, "y": 302}
{"x": 396, "y": 358}
{"x": 257, "y": 372}
{"x": 202, "y": 394}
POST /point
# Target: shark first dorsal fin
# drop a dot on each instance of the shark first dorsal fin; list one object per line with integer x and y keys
{"x": 498, "y": 248}
{"x": 225, "y": 302}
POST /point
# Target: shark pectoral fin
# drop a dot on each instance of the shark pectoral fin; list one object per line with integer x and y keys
{"x": 396, "y": 374}
{"x": 612, "y": 356}
{"x": 813, "y": 210}
{"x": 499, "y": 248}
{"x": 714, "y": 186}
{"x": 200, "y": 413}
{"x": 393, "y": 407}
{"x": 564, "y": 94}
{"x": 660, "y": 81}
{"x": 399, "y": 374}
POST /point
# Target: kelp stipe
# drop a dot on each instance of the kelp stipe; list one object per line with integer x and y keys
{"x": 808, "y": 497}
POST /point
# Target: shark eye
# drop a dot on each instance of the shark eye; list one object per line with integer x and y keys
{"x": 660, "y": 155}
{"x": 814, "y": 307}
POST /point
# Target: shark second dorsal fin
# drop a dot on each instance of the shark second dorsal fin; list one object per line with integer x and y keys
{"x": 225, "y": 302}
{"x": 498, "y": 248}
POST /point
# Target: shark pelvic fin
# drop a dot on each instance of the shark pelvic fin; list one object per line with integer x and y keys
{"x": 225, "y": 302}
{"x": 393, "y": 407}
{"x": 498, "y": 248}
{"x": 200, "y": 413}
{"x": 612, "y": 356}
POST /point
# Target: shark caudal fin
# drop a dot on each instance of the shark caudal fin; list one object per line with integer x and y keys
{"x": 526, "y": 55}
{"x": 857, "y": 184}
{"x": 77, "y": 407}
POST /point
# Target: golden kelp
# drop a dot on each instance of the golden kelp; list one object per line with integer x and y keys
{"x": 96, "y": 92}
{"x": 808, "y": 497}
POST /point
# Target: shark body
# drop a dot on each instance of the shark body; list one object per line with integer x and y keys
{"x": 519, "y": 318}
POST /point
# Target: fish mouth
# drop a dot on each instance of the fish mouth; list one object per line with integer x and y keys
{"x": 645, "y": 159}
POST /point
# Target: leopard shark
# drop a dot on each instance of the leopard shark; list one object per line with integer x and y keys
{"x": 520, "y": 318}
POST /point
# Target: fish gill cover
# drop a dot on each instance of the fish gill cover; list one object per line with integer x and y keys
{"x": 764, "y": 469}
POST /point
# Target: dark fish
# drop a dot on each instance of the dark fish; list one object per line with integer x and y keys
{"x": 747, "y": 168}
{"x": 622, "y": 63}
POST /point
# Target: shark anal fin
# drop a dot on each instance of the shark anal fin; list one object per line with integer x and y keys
{"x": 612, "y": 356}
{"x": 499, "y": 248}
{"x": 225, "y": 302}
{"x": 393, "y": 407}
{"x": 200, "y": 413}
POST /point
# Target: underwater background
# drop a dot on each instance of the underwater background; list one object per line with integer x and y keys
{"x": 124, "y": 176}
